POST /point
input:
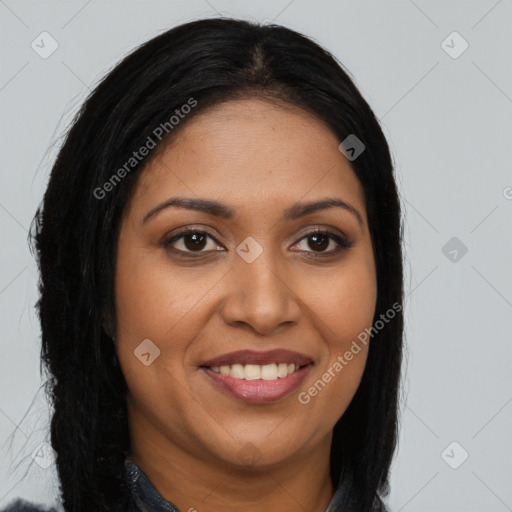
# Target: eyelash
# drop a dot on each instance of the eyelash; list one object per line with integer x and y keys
{"x": 341, "y": 241}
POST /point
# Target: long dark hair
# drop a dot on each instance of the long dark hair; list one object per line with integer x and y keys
{"x": 75, "y": 232}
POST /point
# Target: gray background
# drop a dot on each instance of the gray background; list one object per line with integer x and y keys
{"x": 449, "y": 124}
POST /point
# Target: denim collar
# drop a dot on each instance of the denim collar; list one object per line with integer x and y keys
{"x": 144, "y": 493}
{"x": 148, "y": 499}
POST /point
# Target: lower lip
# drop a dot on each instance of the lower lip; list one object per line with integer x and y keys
{"x": 258, "y": 391}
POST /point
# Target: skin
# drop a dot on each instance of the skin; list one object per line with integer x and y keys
{"x": 258, "y": 158}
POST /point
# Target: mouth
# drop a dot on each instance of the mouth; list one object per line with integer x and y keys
{"x": 272, "y": 371}
{"x": 258, "y": 377}
{"x": 253, "y": 357}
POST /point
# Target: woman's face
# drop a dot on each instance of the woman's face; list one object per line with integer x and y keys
{"x": 256, "y": 280}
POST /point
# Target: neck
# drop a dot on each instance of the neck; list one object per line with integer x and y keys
{"x": 196, "y": 484}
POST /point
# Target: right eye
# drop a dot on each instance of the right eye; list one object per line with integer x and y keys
{"x": 190, "y": 241}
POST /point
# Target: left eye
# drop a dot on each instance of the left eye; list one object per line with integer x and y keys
{"x": 319, "y": 241}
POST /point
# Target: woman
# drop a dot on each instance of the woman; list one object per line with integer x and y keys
{"x": 221, "y": 282}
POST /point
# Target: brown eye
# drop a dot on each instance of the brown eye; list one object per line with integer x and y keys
{"x": 319, "y": 241}
{"x": 192, "y": 241}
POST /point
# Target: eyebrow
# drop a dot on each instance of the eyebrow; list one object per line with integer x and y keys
{"x": 221, "y": 210}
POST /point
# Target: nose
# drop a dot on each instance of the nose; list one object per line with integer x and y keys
{"x": 260, "y": 295}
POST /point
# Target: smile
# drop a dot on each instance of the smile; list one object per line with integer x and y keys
{"x": 271, "y": 371}
{"x": 257, "y": 384}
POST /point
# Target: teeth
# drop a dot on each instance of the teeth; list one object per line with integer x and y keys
{"x": 271, "y": 371}
{"x": 252, "y": 372}
{"x": 237, "y": 371}
{"x": 282, "y": 370}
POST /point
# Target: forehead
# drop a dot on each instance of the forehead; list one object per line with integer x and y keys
{"x": 251, "y": 152}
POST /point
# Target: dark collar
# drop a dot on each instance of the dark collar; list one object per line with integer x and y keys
{"x": 144, "y": 493}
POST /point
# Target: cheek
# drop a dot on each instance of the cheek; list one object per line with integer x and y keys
{"x": 150, "y": 305}
{"x": 146, "y": 308}
{"x": 150, "y": 300}
{"x": 158, "y": 304}
{"x": 351, "y": 312}
{"x": 351, "y": 307}
{"x": 344, "y": 307}
{"x": 345, "y": 303}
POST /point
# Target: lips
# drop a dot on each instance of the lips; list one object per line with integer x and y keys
{"x": 245, "y": 357}
{"x": 257, "y": 391}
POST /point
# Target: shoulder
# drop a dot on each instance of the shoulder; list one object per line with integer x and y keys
{"x": 20, "y": 505}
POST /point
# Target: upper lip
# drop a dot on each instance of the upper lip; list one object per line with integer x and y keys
{"x": 261, "y": 358}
